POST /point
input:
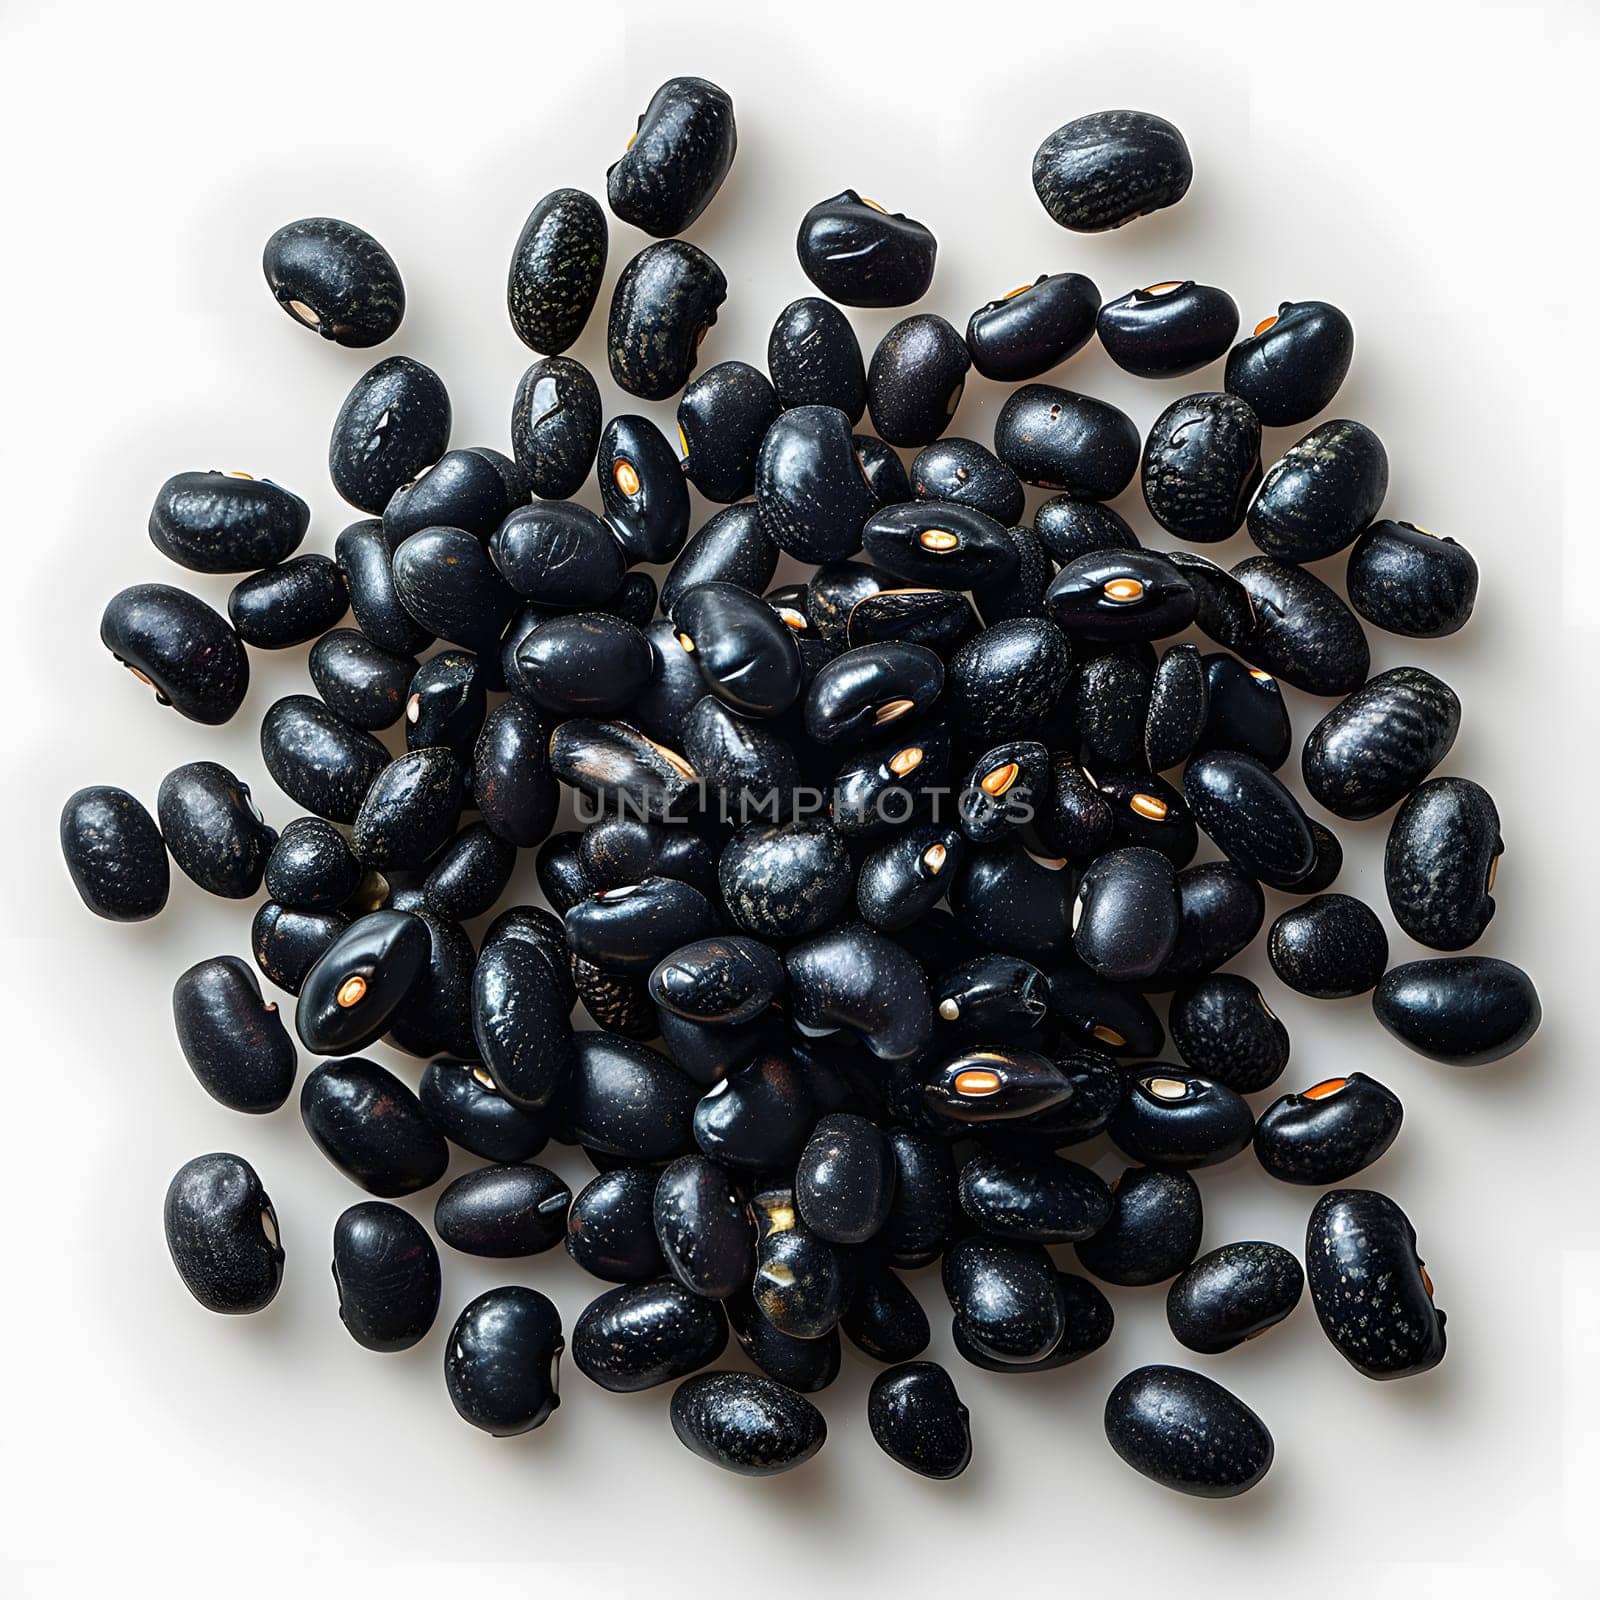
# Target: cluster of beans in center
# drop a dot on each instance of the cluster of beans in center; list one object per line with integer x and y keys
{"x": 878, "y": 871}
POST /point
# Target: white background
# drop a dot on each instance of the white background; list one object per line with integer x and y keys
{"x": 1428, "y": 168}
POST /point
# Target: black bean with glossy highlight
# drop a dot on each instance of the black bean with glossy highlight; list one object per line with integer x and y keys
{"x": 289, "y": 604}
{"x": 610, "y": 1231}
{"x": 557, "y": 553}
{"x": 1187, "y": 1433}
{"x": 721, "y": 980}
{"x": 394, "y": 422}
{"x": 746, "y": 653}
{"x": 1294, "y": 362}
{"x": 963, "y": 472}
{"x": 365, "y": 561}
{"x": 1003, "y": 682}
{"x": 1125, "y": 919}
{"x": 731, "y": 546}
{"x": 1168, "y": 329}
{"x": 643, "y": 1334}
{"x": 1245, "y": 712}
{"x": 642, "y": 489}
{"x": 1009, "y": 900}
{"x": 436, "y": 1017}
{"x": 1329, "y": 1132}
{"x": 1121, "y": 595}
{"x": 360, "y": 981}
{"x": 918, "y": 1419}
{"x": 861, "y": 255}
{"x": 844, "y": 1183}
{"x": 1305, "y": 635}
{"x": 371, "y": 1126}
{"x": 115, "y": 854}
{"x": 448, "y": 584}
{"x": 226, "y": 521}
{"x": 501, "y": 1358}
{"x": 386, "y": 1270}
{"x": 1224, "y": 1029}
{"x": 1006, "y": 1298}
{"x": 1372, "y": 1293}
{"x": 856, "y": 979}
{"x": 1071, "y": 528}
{"x": 1463, "y": 1010}
{"x": 359, "y": 681}
{"x": 815, "y": 358}
{"x": 514, "y": 782}
{"x": 1072, "y": 443}
{"x": 940, "y": 543}
{"x": 1154, "y": 1230}
{"x": 521, "y": 1006}
{"x": 1380, "y": 742}
{"x": 614, "y": 765}
{"x": 1147, "y": 810}
{"x": 1320, "y": 493}
{"x": 811, "y": 491}
{"x": 1111, "y": 704}
{"x": 723, "y": 415}
{"x": 311, "y": 867}
{"x": 787, "y": 881}
{"x": 516, "y": 1209}
{"x": 447, "y": 702}
{"x": 746, "y": 1423}
{"x": 235, "y": 1043}
{"x": 1003, "y": 789}
{"x": 1025, "y": 333}
{"x": 331, "y": 276}
{"x": 1180, "y": 700}
{"x": 665, "y": 300}
{"x": 802, "y": 1282}
{"x": 884, "y": 1319}
{"x": 177, "y": 645}
{"x": 993, "y": 1086}
{"x": 758, "y": 1115}
{"x": 1250, "y": 816}
{"x": 865, "y": 689}
{"x": 556, "y": 268}
{"x": 461, "y": 1100}
{"x": 625, "y": 1099}
{"x": 222, "y": 1234}
{"x": 472, "y": 489}
{"x": 555, "y": 426}
{"x": 915, "y": 380}
{"x": 1440, "y": 862}
{"x": 583, "y": 664}
{"x": 1330, "y": 947}
{"x": 704, "y": 1228}
{"x": 1231, "y": 1294}
{"x": 1406, "y": 580}
{"x": 1103, "y": 170}
{"x": 318, "y": 760}
{"x": 1099, "y": 1015}
{"x": 1201, "y": 464}
{"x": 1175, "y": 1119}
{"x": 904, "y": 878}
{"x": 1044, "y": 1198}
{"x": 676, "y": 159}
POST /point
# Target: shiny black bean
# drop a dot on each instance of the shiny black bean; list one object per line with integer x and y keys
{"x": 963, "y": 472}
{"x": 1180, "y": 701}
{"x": 1004, "y": 682}
{"x": 610, "y": 1226}
{"x": 1075, "y": 819}
{"x": 360, "y": 981}
{"x": 222, "y": 1234}
{"x": 471, "y": 489}
{"x": 1294, "y": 362}
{"x": 1232, "y": 1294}
{"x": 1328, "y": 1132}
{"x": 915, "y": 379}
{"x": 410, "y": 811}
{"x": 1121, "y": 594}
{"x": 1378, "y": 744}
{"x": 1440, "y": 863}
{"x": 643, "y": 1334}
{"x": 632, "y": 928}
{"x": 635, "y": 599}
{"x": 922, "y": 1212}
{"x": 704, "y": 1228}
{"x": 1088, "y": 1322}
{"x": 1006, "y": 1297}
{"x": 503, "y": 1211}
{"x": 1105, "y": 169}
{"x": 918, "y": 1419}
{"x": 1245, "y": 712}
{"x": 470, "y": 874}
{"x": 864, "y": 689}
{"x": 844, "y": 1183}
{"x": 226, "y": 521}
{"x": 1006, "y": 899}
{"x": 625, "y": 1099}
{"x": 902, "y": 880}
{"x": 665, "y": 301}
{"x": 1373, "y": 1295}
{"x": 1250, "y": 816}
{"x": 997, "y": 1086}
{"x": 336, "y": 278}
{"x": 501, "y": 1358}
{"x": 1407, "y": 580}
{"x": 621, "y": 850}
{"x": 288, "y": 604}
{"x": 1463, "y": 1010}
{"x": 318, "y": 760}
{"x": 1320, "y": 493}
{"x": 861, "y": 255}
{"x": 856, "y": 979}
{"x": 941, "y": 544}
{"x": 1201, "y": 465}
{"x": 386, "y": 1270}
{"x": 1187, "y": 1433}
{"x": 1056, "y": 439}
{"x": 371, "y": 1126}
{"x": 744, "y": 761}
{"x": 461, "y": 1100}
{"x": 514, "y": 774}
{"x": 1111, "y": 705}
{"x": 811, "y": 493}
{"x": 1098, "y": 1015}
{"x": 1330, "y": 947}
{"x": 832, "y": 592}
{"x": 555, "y": 425}
{"x": 1305, "y": 633}
{"x": 287, "y": 943}
{"x": 393, "y": 423}
{"x": 615, "y": 766}
{"x": 1224, "y": 1029}
{"x": 676, "y": 160}
{"x": 731, "y": 547}
{"x": 364, "y": 559}
{"x": 1071, "y": 528}
{"x": 521, "y": 1001}
{"x": 1004, "y": 789}
{"x": 1025, "y": 333}
{"x": 746, "y": 654}
{"x": 616, "y": 1002}
{"x": 746, "y": 1423}
{"x": 556, "y": 268}
{"x": 723, "y": 416}
{"x": 436, "y": 1018}
{"x": 177, "y": 645}
{"x": 586, "y": 663}
{"x": 235, "y": 1043}
{"x": 802, "y": 1282}
{"x": 1174, "y": 1119}
{"x": 213, "y": 829}
{"x": 788, "y": 881}
{"x": 1168, "y": 329}
{"x": 642, "y": 490}
{"x": 559, "y": 554}
{"x": 1022, "y": 593}
{"x": 1044, "y": 1199}
{"x": 884, "y": 1319}
{"x": 1154, "y": 1230}
{"x": 815, "y": 358}
{"x": 758, "y": 1116}
{"x": 725, "y": 981}
{"x": 448, "y": 584}
{"x": 360, "y": 682}
{"x": 1125, "y": 917}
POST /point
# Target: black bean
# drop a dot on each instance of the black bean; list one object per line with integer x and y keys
{"x": 1232, "y": 1294}
{"x": 614, "y": 766}
{"x": 1463, "y": 1010}
{"x": 387, "y": 1272}
{"x": 1071, "y": 528}
{"x": 676, "y": 160}
{"x": 1125, "y": 918}
{"x": 1410, "y": 581}
{"x": 746, "y": 654}
{"x": 915, "y": 380}
{"x": 1328, "y": 1132}
{"x": 1003, "y": 682}
{"x": 1250, "y": 816}
{"x": 1103, "y": 170}
{"x": 1320, "y": 493}
{"x": 844, "y": 1184}
{"x": 704, "y": 1229}
{"x": 521, "y": 1001}
{"x": 115, "y": 854}
{"x": 222, "y": 1234}
{"x": 996, "y": 1086}
{"x": 626, "y": 1100}
{"x": 1025, "y": 333}
{"x": 1304, "y": 633}
{"x": 360, "y": 981}
{"x": 585, "y": 663}
{"x": 311, "y": 867}
{"x": 746, "y": 1423}
{"x": 559, "y": 554}
{"x": 918, "y": 1420}
{"x": 471, "y": 489}
{"x": 723, "y": 416}
{"x": 1121, "y": 595}
{"x": 368, "y": 568}
{"x": 1044, "y": 1199}
{"x": 1224, "y": 1029}
{"x": 371, "y": 1126}
{"x": 1174, "y": 1119}
{"x": 1006, "y": 1297}
{"x": 963, "y": 472}
{"x": 503, "y": 1211}
{"x": 359, "y": 681}
{"x": 642, "y": 489}
{"x": 665, "y": 300}
{"x": 610, "y": 1227}
{"x": 884, "y": 1319}
{"x": 287, "y": 942}
{"x": 802, "y": 1281}
{"x": 1168, "y": 329}
{"x": 1073, "y": 443}
{"x": 319, "y": 761}
{"x": 226, "y": 521}
{"x": 513, "y": 778}
{"x": 335, "y": 277}
{"x": 757, "y": 1116}
{"x": 1111, "y": 705}
{"x": 289, "y": 604}
{"x": 500, "y": 1361}
{"x": 393, "y": 423}
{"x": 1201, "y": 465}
{"x": 806, "y": 1365}
{"x": 555, "y": 426}
{"x": 1294, "y": 362}
{"x": 643, "y": 1334}
{"x": 461, "y": 1100}
{"x": 861, "y": 255}
{"x": 1331, "y": 946}
{"x": 857, "y": 979}
{"x": 1440, "y": 862}
{"x": 1154, "y": 1231}
{"x": 235, "y": 1043}
{"x": 178, "y": 646}
{"x": 1187, "y": 1433}
{"x": 469, "y": 874}
{"x": 1098, "y": 1015}
{"x": 1245, "y": 712}
{"x": 556, "y": 268}
{"x": 448, "y": 584}
{"x": 811, "y": 493}
{"x": 1006, "y": 899}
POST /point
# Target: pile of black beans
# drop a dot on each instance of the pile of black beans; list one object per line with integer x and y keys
{"x": 879, "y": 872}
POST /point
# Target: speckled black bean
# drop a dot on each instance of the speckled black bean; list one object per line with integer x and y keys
{"x": 1224, "y": 1029}
{"x": 1168, "y": 329}
{"x": 1055, "y": 439}
{"x": 1440, "y": 863}
{"x": 1006, "y": 1297}
{"x": 1105, "y": 169}
{"x": 918, "y": 1419}
{"x": 746, "y": 1423}
{"x": 513, "y": 778}
{"x": 448, "y": 584}
{"x": 704, "y": 1229}
{"x": 802, "y": 1281}
{"x": 371, "y": 1126}
{"x": 857, "y": 979}
{"x": 556, "y": 268}
{"x": 368, "y": 568}
{"x": 361, "y": 682}
{"x": 1154, "y": 1231}
{"x": 844, "y": 1184}
{"x": 1250, "y": 816}
{"x": 178, "y": 646}
{"x": 1330, "y": 947}
{"x": 226, "y": 521}
{"x": 1320, "y": 493}
{"x": 461, "y": 1100}
{"x": 1232, "y": 1294}
{"x": 1044, "y": 1199}
{"x": 677, "y": 158}
{"x": 723, "y": 416}
{"x": 469, "y": 874}
{"x": 235, "y": 1044}
{"x": 643, "y": 1334}
{"x": 222, "y": 1234}
{"x": 1407, "y": 580}
{"x": 610, "y": 1231}
{"x": 1329, "y": 1132}
{"x": 664, "y": 301}
{"x": 393, "y": 423}
{"x": 861, "y": 255}
{"x": 923, "y": 1210}
{"x": 336, "y": 278}
{"x": 1294, "y": 362}
{"x": 311, "y": 867}
{"x": 1002, "y": 683}
{"x": 386, "y": 1270}
{"x": 1071, "y": 528}
{"x": 287, "y": 942}
{"x": 1201, "y": 465}
{"x": 559, "y": 554}
{"x": 319, "y": 761}
{"x": 1179, "y": 702}
{"x": 810, "y": 491}
{"x": 1462, "y": 1010}
{"x": 501, "y": 1358}
{"x": 1125, "y": 920}
{"x": 555, "y": 426}
{"x": 503, "y": 1211}
{"x": 815, "y": 358}
{"x": 1034, "y": 328}
{"x": 625, "y": 1099}
{"x": 1111, "y": 696}
{"x": 289, "y": 604}
{"x": 1372, "y": 1293}
{"x": 884, "y": 1319}
{"x": 1187, "y": 1433}
{"x": 115, "y": 854}
{"x": 963, "y": 472}
{"x": 1305, "y": 634}
{"x": 915, "y": 379}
